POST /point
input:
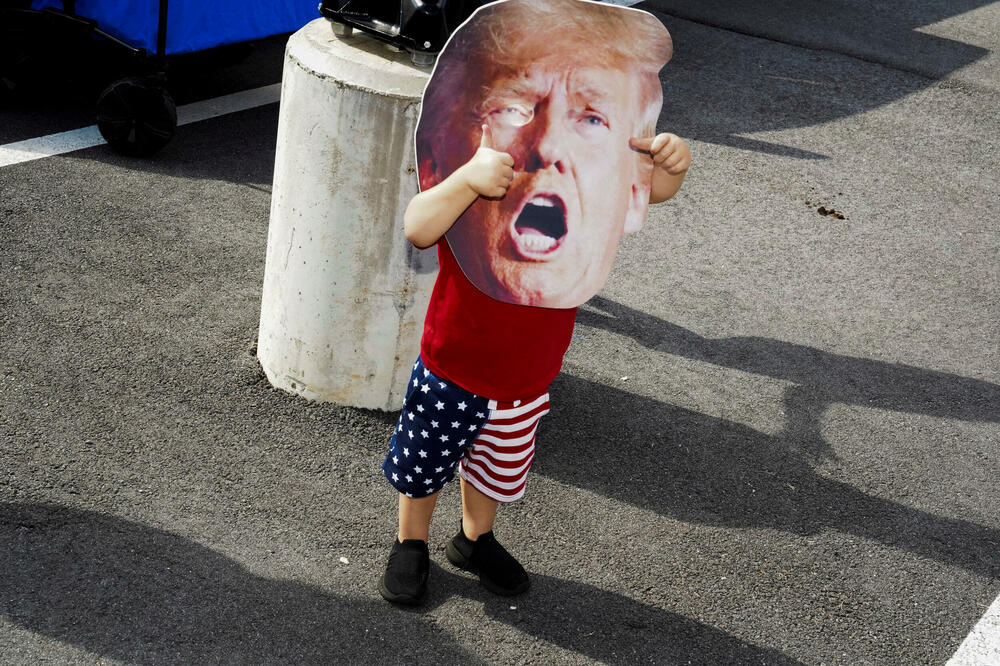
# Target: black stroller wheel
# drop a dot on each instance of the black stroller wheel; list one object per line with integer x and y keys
{"x": 15, "y": 67}
{"x": 136, "y": 116}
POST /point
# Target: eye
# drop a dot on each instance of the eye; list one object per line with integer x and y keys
{"x": 594, "y": 120}
{"x": 514, "y": 115}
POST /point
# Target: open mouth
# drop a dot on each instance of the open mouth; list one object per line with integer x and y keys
{"x": 540, "y": 227}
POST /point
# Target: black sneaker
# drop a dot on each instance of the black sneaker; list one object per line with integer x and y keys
{"x": 498, "y": 571}
{"x": 405, "y": 578}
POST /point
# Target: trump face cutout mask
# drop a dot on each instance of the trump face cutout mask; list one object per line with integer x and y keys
{"x": 561, "y": 86}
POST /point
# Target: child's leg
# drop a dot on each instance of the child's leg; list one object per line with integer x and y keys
{"x": 476, "y": 549}
{"x": 415, "y": 516}
{"x": 478, "y": 511}
{"x": 497, "y": 462}
{"x": 405, "y": 577}
{"x": 437, "y": 424}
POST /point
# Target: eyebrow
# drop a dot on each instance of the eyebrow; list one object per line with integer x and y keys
{"x": 590, "y": 96}
{"x": 582, "y": 90}
{"x": 519, "y": 88}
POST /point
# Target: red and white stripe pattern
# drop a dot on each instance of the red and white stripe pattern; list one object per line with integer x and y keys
{"x": 497, "y": 462}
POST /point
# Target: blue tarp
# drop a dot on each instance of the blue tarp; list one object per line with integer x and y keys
{"x": 193, "y": 25}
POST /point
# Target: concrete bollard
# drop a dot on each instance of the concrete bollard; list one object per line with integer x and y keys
{"x": 344, "y": 293}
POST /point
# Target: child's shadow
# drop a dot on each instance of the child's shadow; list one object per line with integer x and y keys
{"x": 608, "y": 627}
{"x": 131, "y": 592}
{"x": 707, "y": 470}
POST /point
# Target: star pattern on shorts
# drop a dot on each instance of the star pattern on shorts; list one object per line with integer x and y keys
{"x": 431, "y": 465}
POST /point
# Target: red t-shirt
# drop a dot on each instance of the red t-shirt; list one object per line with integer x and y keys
{"x": 494, "y": 349}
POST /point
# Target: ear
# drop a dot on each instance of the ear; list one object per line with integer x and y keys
{"x": 638, "y": 205}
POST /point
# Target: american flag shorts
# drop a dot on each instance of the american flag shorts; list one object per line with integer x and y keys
{"x": 443, "y": 427}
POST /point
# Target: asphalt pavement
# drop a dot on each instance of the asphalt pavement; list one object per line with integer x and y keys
{"x": 775, "y": 438}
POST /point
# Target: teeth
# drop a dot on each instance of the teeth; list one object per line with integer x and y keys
{"x": 542, "y": 201}
{"x": 537, "y": 242}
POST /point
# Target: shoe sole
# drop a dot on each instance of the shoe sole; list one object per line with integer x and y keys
{"x": 462, "y": 562}
{"x": 402, "y": 599}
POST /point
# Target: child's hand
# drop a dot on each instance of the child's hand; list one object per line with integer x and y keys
{"x": 489, "y": 172}
{"x": 668, "y": 151}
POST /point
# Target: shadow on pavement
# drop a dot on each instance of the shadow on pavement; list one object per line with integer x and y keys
{"x": 239, "y": 151}
{"x": 823, "y": 376}
{"x": 613, "y": 629}
{"x": 608, "y": 627}
{"x": 124, "y": 590}
{"x": 707, "y": 470}
{"x": 721, "y": 84}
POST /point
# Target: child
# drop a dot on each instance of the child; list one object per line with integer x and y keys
{"x": 479, "y": 387}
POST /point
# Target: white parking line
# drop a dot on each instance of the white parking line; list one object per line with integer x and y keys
{"x": 982, "y": 646}
{"x": 87, "y": 137}
{"x": 220, "y": 106}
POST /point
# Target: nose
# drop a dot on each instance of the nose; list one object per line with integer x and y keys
{"x": 546, "y": 142}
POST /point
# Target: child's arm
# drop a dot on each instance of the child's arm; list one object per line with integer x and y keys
{"x": 432, "y": 212}
{"x": 671, "y": 159}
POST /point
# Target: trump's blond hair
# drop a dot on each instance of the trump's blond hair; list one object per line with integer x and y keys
{"x": 501, "y": 37}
